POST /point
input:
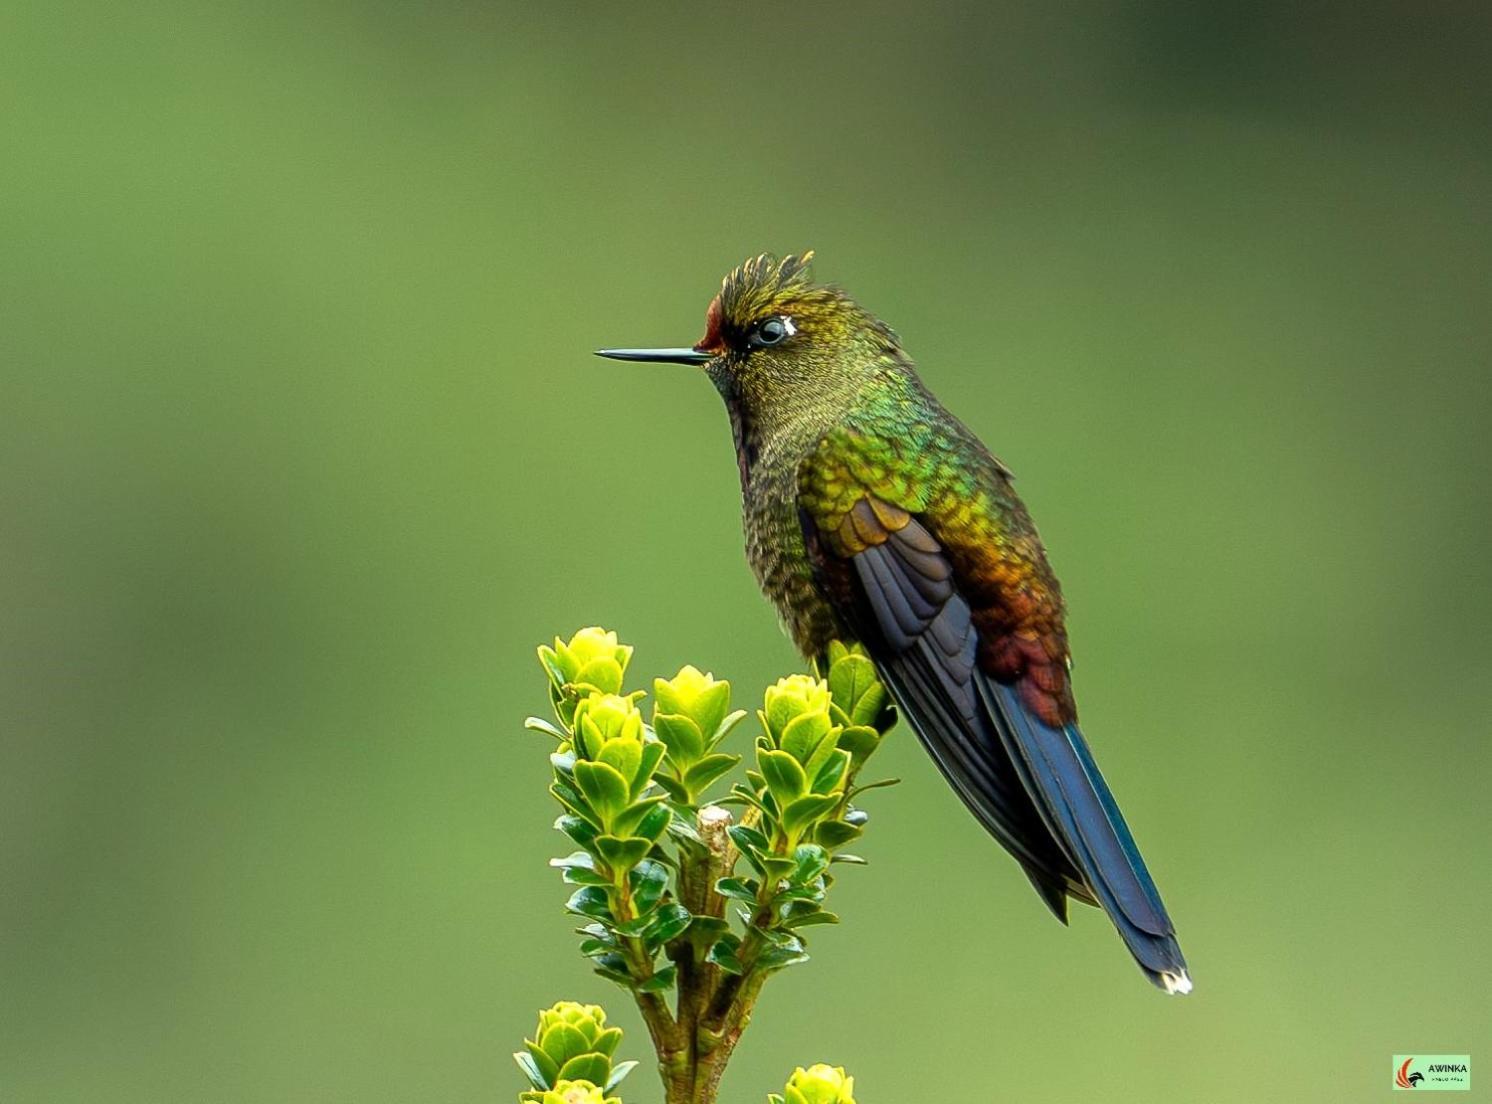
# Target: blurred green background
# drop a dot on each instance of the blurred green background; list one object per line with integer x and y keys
{"x": 302, "y": 450}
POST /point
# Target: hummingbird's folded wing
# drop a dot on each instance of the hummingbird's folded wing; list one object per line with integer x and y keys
{"x": 1032, "y": 784}
{"x": 920, "y": 632}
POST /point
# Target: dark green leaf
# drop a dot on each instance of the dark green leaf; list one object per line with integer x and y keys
{"x": 577, "y": 829}
{"x": 754, "y": 859}
{"x": 746, "y": 837}
{"x": 777, "y": 867}
{"x": 663, "y": 979}
{"x": 780, "y": 938}
{"x": 681, "y": 827}
{"x": 706, "y": 929}
{"x": 816, "y": 916}
{"x": 777, "y": 958}
{"x": 614, "y": 967}
{"x": 570, "y": 798}
{"x": 672, "y": 919}
{"x": 814, "y": 891}
{"x": 654, "y": 822}
{"x": 649, "y": 881}
{"x": 638, "y": 925}
{"x": 723, "y": 954}
{"x": 614, "y": 975}
{"x": 740, "y": 889}
{"x": 590, "y": 901}
{"x": 812, "y": 861}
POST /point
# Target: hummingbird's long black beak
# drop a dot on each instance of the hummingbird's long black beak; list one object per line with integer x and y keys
{"x": 657, "y": 356}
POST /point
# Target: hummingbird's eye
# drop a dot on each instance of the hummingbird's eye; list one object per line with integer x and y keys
{"x": 770, "y": 332}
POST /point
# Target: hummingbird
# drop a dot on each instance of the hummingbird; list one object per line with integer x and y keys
{"x": 872, "y": 514}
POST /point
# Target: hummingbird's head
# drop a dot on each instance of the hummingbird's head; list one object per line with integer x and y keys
{"x": 774, "y": 339}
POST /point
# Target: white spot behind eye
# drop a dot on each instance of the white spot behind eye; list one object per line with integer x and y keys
{"x": 787, "y": 324}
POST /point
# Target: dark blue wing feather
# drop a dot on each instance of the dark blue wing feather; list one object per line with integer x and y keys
{"x": 1034, "y": 787}
{"x": 927, "y": 657}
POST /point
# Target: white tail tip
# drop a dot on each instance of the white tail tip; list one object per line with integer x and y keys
{"x": 1176, "y": 984}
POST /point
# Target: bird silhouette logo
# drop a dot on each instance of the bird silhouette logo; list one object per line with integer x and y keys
{"x": 1406, "y": 1080}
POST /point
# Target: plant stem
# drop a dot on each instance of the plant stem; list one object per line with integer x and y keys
{"x": 691, "y": 1073}
{"x": 695, "y": 1040}
{"x": 655, "y": 1012}
{"x": 723, "y": 1042}
{"x": 730, "y": 1006}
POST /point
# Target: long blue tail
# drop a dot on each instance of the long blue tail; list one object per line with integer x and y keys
{"x": 1081, "y": 813}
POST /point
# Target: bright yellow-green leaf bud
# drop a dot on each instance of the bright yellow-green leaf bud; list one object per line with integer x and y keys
{"x": 603, "y": 719}
{"x": 793, "y": 697}
{"x": 692, "y": 693}
{"x": 688, "y": 710}
{"x": 588, "y": 1019}
{"x": 592, "y": 657}
{"x": 577, "y": 1092}
{"x": 798, "y": 721}
{"x": 820, "y": 1084}
{"x": 591, "y": 661}
{"x": 614, "y": 759}
{"x": 571, "y": 1044}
